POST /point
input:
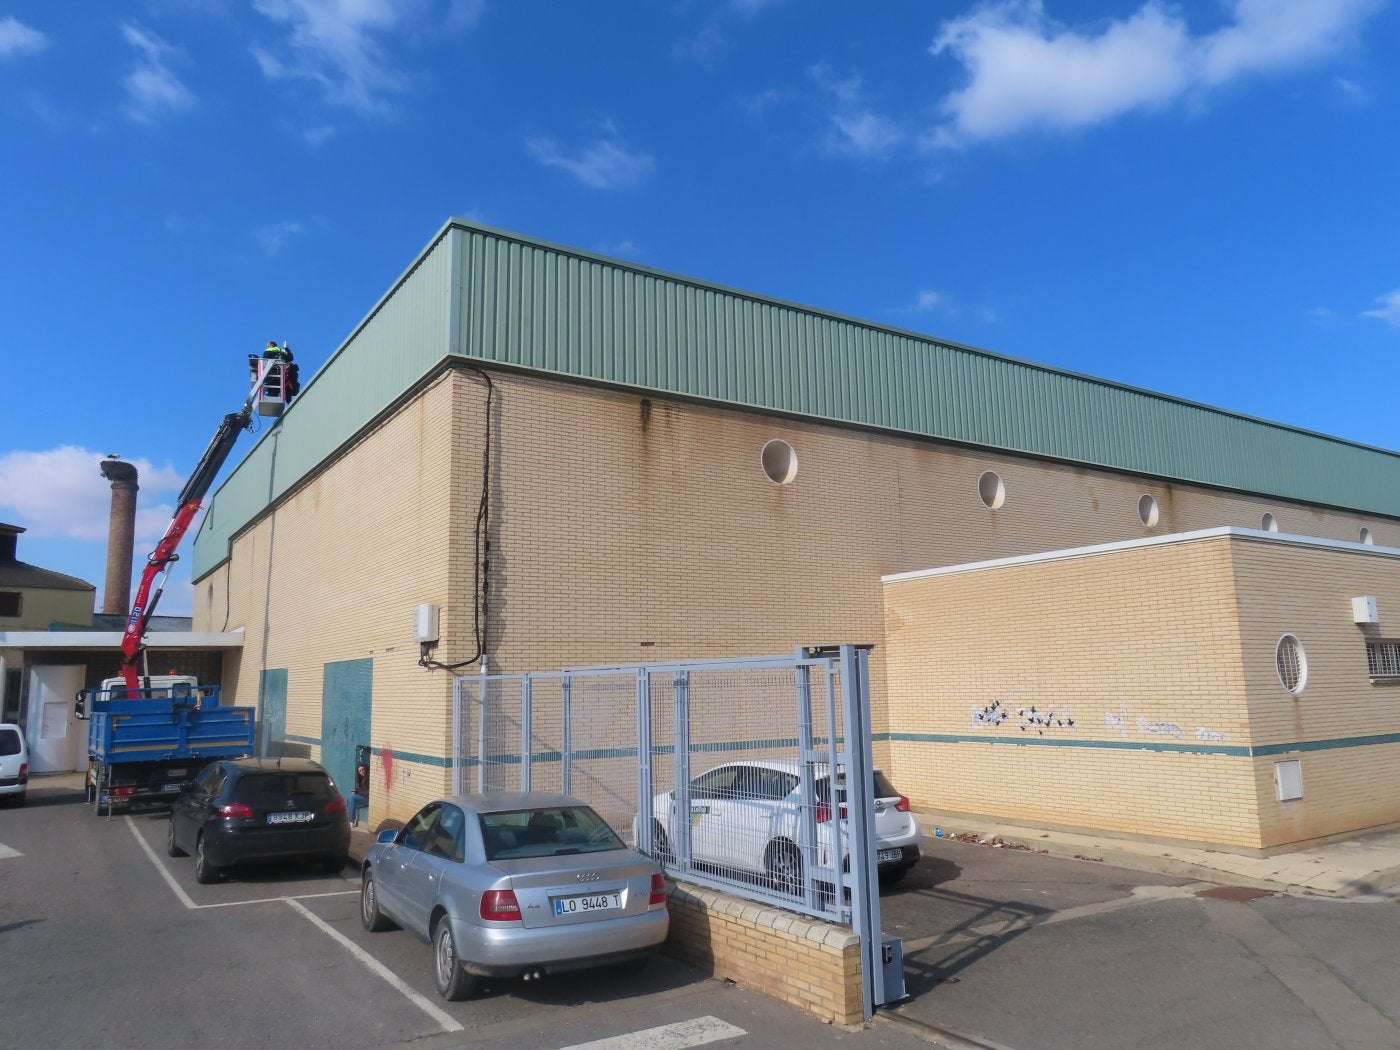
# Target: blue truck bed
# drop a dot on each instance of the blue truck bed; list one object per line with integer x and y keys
{"x": 151, "y": 746}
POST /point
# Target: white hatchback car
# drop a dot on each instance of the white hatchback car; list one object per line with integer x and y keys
{"x": 14, "y": 765}
{"x": 744, "y": 816}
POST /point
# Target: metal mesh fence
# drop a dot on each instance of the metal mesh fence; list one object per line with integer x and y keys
{"x": 723, "y": 770}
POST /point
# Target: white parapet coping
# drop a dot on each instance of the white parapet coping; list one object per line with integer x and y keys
{"x": 113, "y": 640}
{"x": 1041, "y": 557}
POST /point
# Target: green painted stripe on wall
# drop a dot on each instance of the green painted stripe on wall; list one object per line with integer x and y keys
{"x": 1232, "y": 751}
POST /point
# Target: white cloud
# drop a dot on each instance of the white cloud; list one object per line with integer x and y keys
{"x": 856, "y": 129}
{"x": 605, "y": 165}
{"x": 1279, "y": 34}
{"x": 621, "y": 250}
{"x": 1389, "y": 311}
{"x": 338, "y": 45}
{"x": 463, "y": 14}
{"x": 272, "y": 236}
{"x": 152, "y": 88}
{"x": 1026, "y": 71}
{"x": 60, "y": 492}
{"x": 16, "y": 38}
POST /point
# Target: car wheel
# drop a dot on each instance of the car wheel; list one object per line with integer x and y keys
{"x": 784, "y": 864}
{"x": 334, "y": 865}
{"x": 370, "y": 916}
{"x": 171, "y": 848}
{"x": 662, "y": 844}
{"x": 204, "y": 871}
{"x": 453, "y": 982}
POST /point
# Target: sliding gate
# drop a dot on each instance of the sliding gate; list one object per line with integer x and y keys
{"x": 750, "y": 775}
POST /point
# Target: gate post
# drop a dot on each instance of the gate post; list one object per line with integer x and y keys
{"x": 526, "y": 691}
{"x": 566, "y": 695}
{"x": 644, "y": 784}
{"x": 680, "y": 815}
{"x": 855, "y": 687}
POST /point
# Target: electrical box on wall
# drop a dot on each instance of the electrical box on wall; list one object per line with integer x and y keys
{"x": 425, "y": 623}
{"x": 1363, "y": 609}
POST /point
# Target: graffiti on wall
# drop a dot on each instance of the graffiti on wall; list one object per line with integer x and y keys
{"x": 1013, "y": 709}
{"x": 1125, "y": 724}
{"x": 1027, "y": 717}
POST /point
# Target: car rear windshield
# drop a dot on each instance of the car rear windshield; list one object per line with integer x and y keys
{"x": 9, "y": 741}
{"x": 549, "y": 832}
{"x": 880, "y": 783}
{"x": 275, "y": 790}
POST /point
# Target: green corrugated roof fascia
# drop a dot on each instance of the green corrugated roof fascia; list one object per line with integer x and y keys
{"x": 495, "y": 296}
{"x": 548, "y": 308}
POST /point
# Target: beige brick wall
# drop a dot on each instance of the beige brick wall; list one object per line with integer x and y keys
{"x": 809, "y": 964}
{"x": 1159, "y": 654}
{"x": 1046, "y": 691}
{"x": 627, "y": 528}
{"x": 1307, "y": 592}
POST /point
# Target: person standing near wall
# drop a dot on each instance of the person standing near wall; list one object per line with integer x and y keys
{"x": 360, "y": 795}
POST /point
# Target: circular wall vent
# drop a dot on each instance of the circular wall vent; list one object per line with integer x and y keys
{"x": 779, "y": 461}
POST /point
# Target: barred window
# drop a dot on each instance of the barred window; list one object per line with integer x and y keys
{"x": 1292, "y": 663}
{"x": 1383, "y": 659}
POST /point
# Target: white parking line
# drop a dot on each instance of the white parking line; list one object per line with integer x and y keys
{"x": 679, "y": 1036}
{"x": 164, "y": 874}
{"x": 444, "y": 1019}
{"x": 185, "y": 897}
{"x": 5, "y": 852}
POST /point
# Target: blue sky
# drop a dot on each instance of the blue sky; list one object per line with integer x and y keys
{"x": 1199, "y": 198}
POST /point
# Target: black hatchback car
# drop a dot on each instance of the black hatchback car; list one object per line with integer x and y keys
{"x": 251, "y": 810}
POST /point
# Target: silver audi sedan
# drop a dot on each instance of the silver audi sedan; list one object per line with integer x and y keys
{"x": 513, "y": 884}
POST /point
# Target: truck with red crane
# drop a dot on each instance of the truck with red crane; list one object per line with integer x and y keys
{"x": 148, "y": 735}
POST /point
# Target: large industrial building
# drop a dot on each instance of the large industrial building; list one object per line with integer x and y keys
{"x": 1092, "y": 606}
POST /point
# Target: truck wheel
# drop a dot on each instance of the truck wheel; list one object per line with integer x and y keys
{"x": 204, "y": 872}
{"x": 171, "y": 848}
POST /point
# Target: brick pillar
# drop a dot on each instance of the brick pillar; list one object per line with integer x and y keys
{"x": 121, "y": 529}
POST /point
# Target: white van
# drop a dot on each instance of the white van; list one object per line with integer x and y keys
{"x": 14, "y": 764}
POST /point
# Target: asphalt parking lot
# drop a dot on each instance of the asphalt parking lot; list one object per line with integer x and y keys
{"x": 1003, "y": 947}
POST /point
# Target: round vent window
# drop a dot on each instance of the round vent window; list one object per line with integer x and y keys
{"x": 1269, "y": 524}
{"x": 1147, "y": 510}
{"x": 992, "y": 489}
{"x": 1292, "y": 663}
{"x": 779, "y": 461}
{"x": 1366, "y": 537}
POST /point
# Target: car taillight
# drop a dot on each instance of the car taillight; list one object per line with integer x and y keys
{"x": 335, "y": 805}
{"x": 824, "y": 812}
{"x": 658, "y": 889}
{"x": 235, "y": 809}
{"x": 500, "y": 906}
{"x": 23, "y": 770}
{"x": 902, "y": 805}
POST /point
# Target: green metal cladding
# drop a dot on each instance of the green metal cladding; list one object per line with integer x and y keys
{"x": 497, "y": 297}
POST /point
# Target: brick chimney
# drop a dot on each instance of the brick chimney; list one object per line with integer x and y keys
{"x": 121, "y": 531}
